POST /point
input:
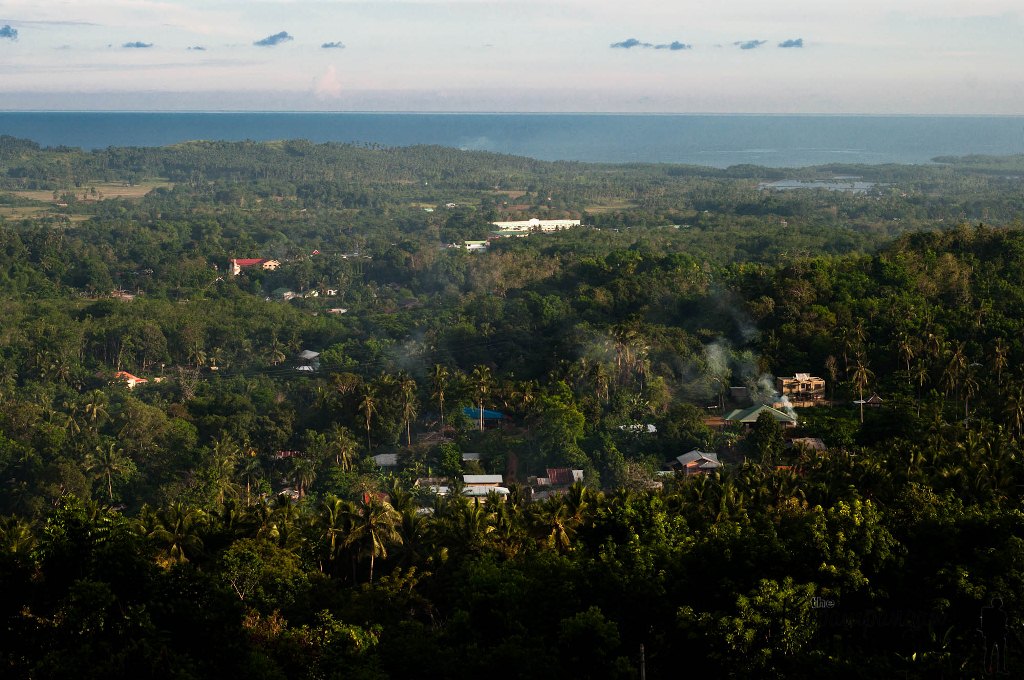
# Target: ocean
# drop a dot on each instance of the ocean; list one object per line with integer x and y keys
{"x": 708, "y": 140}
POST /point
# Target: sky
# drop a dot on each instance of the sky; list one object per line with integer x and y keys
{"x": 653, "y": 56}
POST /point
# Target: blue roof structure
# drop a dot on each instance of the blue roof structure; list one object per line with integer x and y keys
{"x": 474, "y": 413}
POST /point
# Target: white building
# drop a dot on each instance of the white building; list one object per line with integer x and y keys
{"x": 534, "y": 225}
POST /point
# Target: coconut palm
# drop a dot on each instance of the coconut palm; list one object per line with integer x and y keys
{"x": 304, "y": 473}
{"x": 343, "y": 445}
{"x": 249, "y": 470}
{"x": 482, "y": 381}
{"x": 440, "y": 379}
{"x": 407, "y": 394}
{"x": 335, "y": 521}
{"x": 862, "y": 375}
{"x": 175, "y": 530}
{"x": 375, "y": 530}
{"x": 95, "y": 408}
{"x": 1000, "y": 359}
{"x": 107, "y": 462}
{"x": 368, "y": 407}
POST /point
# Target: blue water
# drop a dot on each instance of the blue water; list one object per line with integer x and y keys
{"x": 718, "y": 140}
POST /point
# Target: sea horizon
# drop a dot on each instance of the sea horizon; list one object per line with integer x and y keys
{"x": 704, "y": 139}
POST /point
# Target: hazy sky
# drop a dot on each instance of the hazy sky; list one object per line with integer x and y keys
{"x": 871, "y": 56}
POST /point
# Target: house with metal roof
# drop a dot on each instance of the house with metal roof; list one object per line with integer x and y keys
{"x": 697, "y": 462}
{"x": 749, "y": 416}
{"x": 386, "y": 459}
{"x": 483, "y": 480}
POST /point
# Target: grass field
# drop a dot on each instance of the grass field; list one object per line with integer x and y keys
{"x": 103, "y": 190}
{"x": 21, "y": 212}
{"x": 609, "y": 206}
{"x": 36, "y": 212}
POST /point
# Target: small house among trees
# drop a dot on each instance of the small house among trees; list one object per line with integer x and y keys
{"x": 748, "y": 416}
{"x": 802, "y": 387}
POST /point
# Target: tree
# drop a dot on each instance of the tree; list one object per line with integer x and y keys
{"x": 374, "y": 530}
{"x": 1000, "y": 359}
{"x": 368, "y": 406}
{"x": 407, "y": 393}
{"x": 482, "y": 381}
{"x": 766, "y": 439}
{"x": 440, "y": 380}
{"x": 108, "y": 462}
{"x": 176, "y": 531}
{"x": 342, "y": 445}
{"x": 862, "y": 375}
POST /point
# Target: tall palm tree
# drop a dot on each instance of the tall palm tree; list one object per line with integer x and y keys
{"x": 368, "y": 407}
{"x": 304, "y": 473}
{"x": 343, "y": 445}
{"x": 832, "y": 367}
{"x": 407, "y": 393}
{"x": 862, "y": 375}
{"x": 440, "y": 379}
{"x": 482, "y": 381}
{"x": 1000, "y": 359}
{"x": 95, "y": 408}
{"x": 375, "y": 530}
{"x": 250, "y": 470}
{"x": 969, "y": 386}
{"x": 1015, "y": 411}
{"x": 335, "y": 520}
{"x": 107, "y": 462}
{"x": 907, "y": 348}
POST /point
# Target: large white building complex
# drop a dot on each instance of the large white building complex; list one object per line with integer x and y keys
{"x": 525, "y": 227}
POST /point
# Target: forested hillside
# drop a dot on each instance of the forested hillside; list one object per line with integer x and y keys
{"x": 226, "y": 514}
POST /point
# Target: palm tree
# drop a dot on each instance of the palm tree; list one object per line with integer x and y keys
{"x": 999, "y": 359}
{"x": 341, "y": 442}
{"x": 176, "y": 531}
{"x": 832, "y": 366}
{"x": 304, "y": 472}
{"x": 107, "y": 462}
{"x": 921, "y": 375}
{"x": 440, "y": 379}
{"x": 970, "y": 388}
{"x": 907, "y": 349}
{"x": 368, "y": 407}
{"x": 375, "y": 530}
{"x": 482, "y": 382}
{"x": 407, "y": 392}
{"x": 95, "y": 408}
{"x": 225, "y": 459}
{"x": 1015, "y": 411}
{"x": 336, "y": 520}
{"x": 862, "y": 375}
{"x": 72, "y": 424}
{"x": 956, "y": 368}
{"x": 553, "y": 524}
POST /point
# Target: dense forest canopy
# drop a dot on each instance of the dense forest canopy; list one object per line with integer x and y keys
{"x": 207, "y": 472}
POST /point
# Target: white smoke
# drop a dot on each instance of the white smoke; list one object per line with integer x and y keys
{"x": 328, "y": 86}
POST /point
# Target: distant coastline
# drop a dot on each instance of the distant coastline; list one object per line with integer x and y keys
{"x": 715, "y": 140}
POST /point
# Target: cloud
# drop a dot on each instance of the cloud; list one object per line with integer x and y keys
{"x": 328, "y": 86}
{"x": 798, "y": 42}
{"x": 197, "y": 48}
{"x": 630, "y": 43}
{"x": 138, "y": 44}
{"x": 749, "y": 44}
{"x": 675, "y": 46}
{"x": 275, "y": 39}
{"x": 7, "y": 32}
{"x": 333, "y": 46}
